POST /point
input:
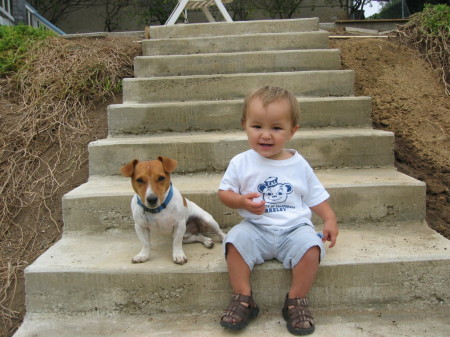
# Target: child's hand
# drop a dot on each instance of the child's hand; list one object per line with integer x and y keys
{"x": 330, "y": 226}
{"x": 236, "y": 201}
{"x": 251, "y": 206}
{"x": 330, "y": 232}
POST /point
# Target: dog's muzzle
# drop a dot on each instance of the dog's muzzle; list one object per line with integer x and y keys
{"x": 155, "y": 200}
{"x": 152, "y": 200}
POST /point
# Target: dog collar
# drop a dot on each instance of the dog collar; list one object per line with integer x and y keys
{"x": 161, "y": 207}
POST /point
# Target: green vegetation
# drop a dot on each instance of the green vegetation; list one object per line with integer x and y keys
{"x": 434, "y": 21}
{"x": 15, "y": 42}
{"x": 397, "y": 9}
{"x": 429, "y": 33}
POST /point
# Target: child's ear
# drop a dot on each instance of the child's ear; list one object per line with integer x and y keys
{"x": 294, "y": 130}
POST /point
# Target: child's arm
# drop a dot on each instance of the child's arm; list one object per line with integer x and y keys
{"x": 235, "y": 201}
{"x": 330, "y": 227}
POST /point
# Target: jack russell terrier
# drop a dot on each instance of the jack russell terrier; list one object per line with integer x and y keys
{"x": 157, "y": 205}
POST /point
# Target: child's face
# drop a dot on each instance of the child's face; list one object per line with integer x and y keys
{"x": 269, "y": 128}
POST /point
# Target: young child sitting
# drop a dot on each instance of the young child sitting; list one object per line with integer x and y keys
{"x": 274, "y": 190}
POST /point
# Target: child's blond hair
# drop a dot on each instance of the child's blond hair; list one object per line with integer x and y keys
{"x": 270, "y": 94}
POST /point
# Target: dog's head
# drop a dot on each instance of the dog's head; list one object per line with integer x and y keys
{"x": 150, "y": 179}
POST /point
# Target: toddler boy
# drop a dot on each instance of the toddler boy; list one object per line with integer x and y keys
{"x": 274, "y": 190}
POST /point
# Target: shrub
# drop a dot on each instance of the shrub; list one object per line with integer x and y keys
{"x": 429, "y": 32}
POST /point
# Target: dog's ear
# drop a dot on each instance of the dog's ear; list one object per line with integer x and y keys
{"x": 128, "y": 169}
{"x": 169, "y": 164}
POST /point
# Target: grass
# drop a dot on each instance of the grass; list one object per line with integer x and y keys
{"x": 15, "y": 41}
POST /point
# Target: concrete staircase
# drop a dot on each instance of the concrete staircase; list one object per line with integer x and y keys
{"x": 386, "y": 273}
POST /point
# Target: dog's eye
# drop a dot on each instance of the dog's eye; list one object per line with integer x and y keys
{"x": 140, "y": 180}
{"x": 161, "y": 178}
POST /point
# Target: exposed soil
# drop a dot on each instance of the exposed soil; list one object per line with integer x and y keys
{"x": 408, "y": 99}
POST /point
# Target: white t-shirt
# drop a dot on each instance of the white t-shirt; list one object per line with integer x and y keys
{"x": 289, "y": 187}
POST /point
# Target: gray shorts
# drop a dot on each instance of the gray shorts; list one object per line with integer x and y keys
{"x": 257, "y": 243}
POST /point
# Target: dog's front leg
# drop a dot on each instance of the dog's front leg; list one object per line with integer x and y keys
{"x": 143, "y": 234}
{"x": 178, "y": 254}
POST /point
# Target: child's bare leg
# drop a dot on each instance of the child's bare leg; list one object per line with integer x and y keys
{"x": 304, "y": 273}
{"x": 303, "y": 276}
{"x": 237, "y": 316}
{"x": 238, "y": 271}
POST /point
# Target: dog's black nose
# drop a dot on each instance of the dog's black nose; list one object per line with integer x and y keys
{"x": 152, "y": 199}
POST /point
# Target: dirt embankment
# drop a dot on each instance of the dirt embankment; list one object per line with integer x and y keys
{"x": 408, "y": 99}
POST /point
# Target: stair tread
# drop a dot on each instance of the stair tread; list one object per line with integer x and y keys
{"x": 323, "y": 83}
{"x": 394, "y": 322}
{"x": 150, "y": 118}
{"x": 241, "y": 100}
{"x": 112, "y": 252}
{"x": 209, "y": 182}
{"x": 213, "y": 76}
{"x": 237, "y": 135}
{"x": 237, "y": 27}
{"x": 236, "y": 43}
{"x": 268, "y": 35}
{"x": 279, "y": 53}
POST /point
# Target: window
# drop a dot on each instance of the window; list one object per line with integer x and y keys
{"x": 5, "y": 7}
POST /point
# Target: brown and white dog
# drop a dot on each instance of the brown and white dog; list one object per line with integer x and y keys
{"x": 157, "y": 205}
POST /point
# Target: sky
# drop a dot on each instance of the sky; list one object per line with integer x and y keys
{"x": 372, "y": 8}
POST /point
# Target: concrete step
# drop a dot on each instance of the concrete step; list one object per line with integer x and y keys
{"x": 139, "y": 119}
{"x": 369, "y": 322}
{"x": 361, "y": 196}
{"x": 212, "y": 151}
{"x": 236, "y": 43}
{"x": 233, "y": 86}
{"x": 382, "y": 264}
{"x": 235, "y": 28}
{"x": 239, "y": 62}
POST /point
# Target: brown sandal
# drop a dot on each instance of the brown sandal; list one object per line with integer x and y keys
{"x": 296, "y": 315}
{"x": 236, "y": 316}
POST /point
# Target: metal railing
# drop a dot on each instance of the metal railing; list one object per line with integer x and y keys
{"x": 36, "y": 20}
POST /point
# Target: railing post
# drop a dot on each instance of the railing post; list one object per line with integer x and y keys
{"x": 36, "y": 20}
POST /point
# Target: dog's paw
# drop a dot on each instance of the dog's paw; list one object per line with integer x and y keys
{"x": 181, "y": 259}
{"x": 208, "y": 243}
{"x": 140, "y": 258}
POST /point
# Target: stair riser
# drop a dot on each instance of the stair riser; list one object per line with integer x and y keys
{"x": 258, "y": 62}
{"x": 353, "y": 204}
{"x": 226, "y": 115}
{"x": 238, "y": 43}
{"x": 237, "y": 28}
{"x": 105, "y": 158}
{"x": 222, "y": 87}
{"x": 341, "y": 286}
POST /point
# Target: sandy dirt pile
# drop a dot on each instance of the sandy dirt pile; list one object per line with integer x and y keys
{"x": 408, "y": 99}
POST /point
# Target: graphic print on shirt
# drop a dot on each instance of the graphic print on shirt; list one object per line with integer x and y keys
{"x": 275, "y": 194}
